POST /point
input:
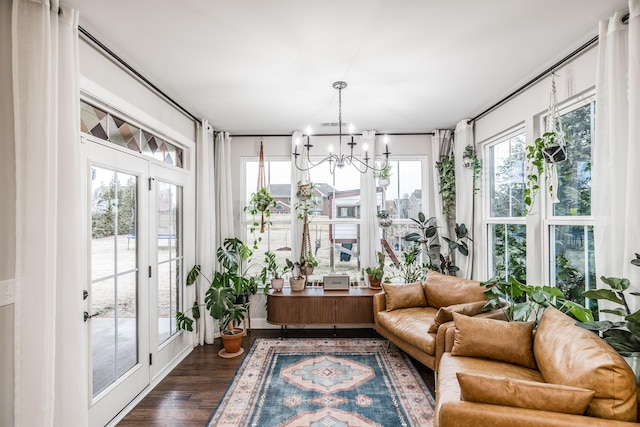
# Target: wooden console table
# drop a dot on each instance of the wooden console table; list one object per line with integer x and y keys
{"x": 315, "y": 306}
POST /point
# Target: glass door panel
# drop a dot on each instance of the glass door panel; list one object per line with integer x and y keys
{"x": 114, "y": 269}
{"x": 170, "y": 257}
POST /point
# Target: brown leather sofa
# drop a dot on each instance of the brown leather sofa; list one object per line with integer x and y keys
{"x": 500, "y": 374}
{"x": 415, "y": 316}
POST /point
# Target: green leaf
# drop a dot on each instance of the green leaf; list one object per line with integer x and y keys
{"x": 193, "y": 275}
{"x": 616, "y": 283}
{"x": 605, "y": 294}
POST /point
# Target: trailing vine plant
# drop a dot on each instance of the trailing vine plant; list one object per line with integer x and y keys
{"x": 537, "y": 168}
{"x": 447, "y": 180}
{"x": 471, "y": 160}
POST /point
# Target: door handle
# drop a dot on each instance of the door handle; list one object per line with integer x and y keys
{"x": 88, "y": 316}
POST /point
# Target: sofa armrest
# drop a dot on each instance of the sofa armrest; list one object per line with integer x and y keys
{"x": 379, "y": 303}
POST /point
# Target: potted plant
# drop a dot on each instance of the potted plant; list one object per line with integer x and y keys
{"x": 376, "y": 273}
{"x": 410, "y": 270}
{"x": 307, "y": 264}
{"x": 541, "y": 156}
{"x": 227, "y": 295}
{"x": 384, "y": 218}
{"x": 297, "y": 281}
{"x": 521, "y": 302}
{"x": 622, "y": 335}
{"x": 383, "y": 175}
{"x": 261, "y": 201}
{"x": 447, "y": 182}
{"x": 271, "y": 269}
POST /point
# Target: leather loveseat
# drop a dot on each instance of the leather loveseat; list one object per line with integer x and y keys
{"x": 415, "y": 316}
{"x": 502, "y": 374}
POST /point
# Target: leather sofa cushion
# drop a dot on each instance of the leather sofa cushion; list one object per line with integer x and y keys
{"x": 411, "y": 325}
{"x": 494, "y": 339}
{"x": 443, "y": 290}
{"x": 401, "y": 295}
{"x": 524, "y": 394}
{"x": 570, "y": 355}
{"x": 445, "y": 314}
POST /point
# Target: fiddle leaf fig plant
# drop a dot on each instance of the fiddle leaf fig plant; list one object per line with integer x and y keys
{"x": 623, "y": 335}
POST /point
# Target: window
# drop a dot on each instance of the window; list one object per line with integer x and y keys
{"x": 506, "y": 224}
{"x": 570, "y": 230}
{"x": 277, "y": 236}
{"x": 334, "y": 225}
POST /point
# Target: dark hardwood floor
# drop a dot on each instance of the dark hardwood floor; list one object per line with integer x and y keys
{"x": 191, "y": 392}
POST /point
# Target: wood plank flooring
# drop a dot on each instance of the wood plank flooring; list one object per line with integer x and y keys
{"x": 191, "y": 392}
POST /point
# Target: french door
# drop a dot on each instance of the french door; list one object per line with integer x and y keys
{"x": 136, "y": 270}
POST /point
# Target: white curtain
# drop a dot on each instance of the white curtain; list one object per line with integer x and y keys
{"x": 369, "y": 230}
{"x": 296, "y": 176}
{"x": 465, "y": 211}
{"x": 442, "y": 143}
{"x": 616, "y": 150}
{"x": 205, "y": 217}
{"x": 50, "y": 350}
{"x": 224, "y": 226}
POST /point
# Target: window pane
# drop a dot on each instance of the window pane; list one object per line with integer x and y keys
{"x": 506, "y": 177}
{"x": 573, "y": 261}
{"x": 574, "y": 174}
{"x": 508, "y": 251}
{"x": 404, "y": 194}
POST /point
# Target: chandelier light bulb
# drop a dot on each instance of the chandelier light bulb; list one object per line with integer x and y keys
{"x": 351, "y": 129}
{"x": 331, "y": 149}
{"x": 308, "y": 130}
{"x": 386, "y": 139}
{"x": 365, "y": 147}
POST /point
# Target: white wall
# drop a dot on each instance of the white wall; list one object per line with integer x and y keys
{"x": 574, "y": 81}
{"x": 7, "y": 219}
{"x": 97, "y": 67}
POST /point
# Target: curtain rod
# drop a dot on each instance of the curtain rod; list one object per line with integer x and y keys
{"x": 578, "y": 51}
{"x": 258, "y": 135}
{"x": 536, "y": 79}
{"x": 137, "y": 74}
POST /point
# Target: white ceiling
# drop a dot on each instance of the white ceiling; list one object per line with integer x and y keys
{"x": 265, "y": 67}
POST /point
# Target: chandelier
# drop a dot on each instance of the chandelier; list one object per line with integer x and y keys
{"x": 303, "y": 161}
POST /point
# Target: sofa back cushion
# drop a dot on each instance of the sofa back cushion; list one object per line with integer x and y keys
{"x": 443, "y": 290}
{"x": 401, "y": 295}
{"x": 570, "y": 355}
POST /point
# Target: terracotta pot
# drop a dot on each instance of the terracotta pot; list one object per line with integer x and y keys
{"x": 232, "y": 342}
{"x": 297, "y": 284}
{"x": 374, "y": 283}
{"x": 277, "y": 284}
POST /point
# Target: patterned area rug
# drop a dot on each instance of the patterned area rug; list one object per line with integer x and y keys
{"x": 325, "y": 383}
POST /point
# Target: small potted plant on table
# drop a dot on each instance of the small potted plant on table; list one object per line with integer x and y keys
{"x": 376, "y": 273}
{"x": 271, "y": 269}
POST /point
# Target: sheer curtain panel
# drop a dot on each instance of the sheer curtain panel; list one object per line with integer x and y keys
{"x": 617, "y": 148}
{"x": 50, "y": 350}
{"x": 369, "y": 231}
{"x": 464, "y": 194}
{"x": 206, "y": 215}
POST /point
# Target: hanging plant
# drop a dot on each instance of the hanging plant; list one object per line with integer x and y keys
{"x": 544, "y": 153}
{"x": 384, "y": 218}
{"x": 261, "y": 201}
{"x": 447, "y": 177}
{"x": 470, "y": 160}
{"x": 383, "y": 175}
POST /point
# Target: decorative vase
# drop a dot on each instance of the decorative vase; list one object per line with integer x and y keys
{"x": 232, "y": 340}
{"x": 374, "y": 283}
{"x": 277, "y": 284}
{"x": 297, "y": 285}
